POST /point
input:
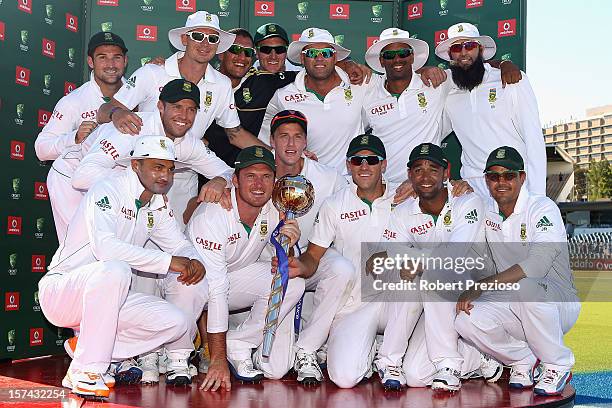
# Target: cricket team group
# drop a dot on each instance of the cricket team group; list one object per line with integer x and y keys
{"x": 164, "y": 216}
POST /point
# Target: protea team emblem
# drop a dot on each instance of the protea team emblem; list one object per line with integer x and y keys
{"x": 422, "y": 100}
{"x": 460, "y": 28}
{"x": 447, "y": 218}
{"x": 246, "y": 95}
{"x": 208, "y": 17}
{"x": 348, "y": 95}
{"x": 150, "y": 220}
{"x": 162, "y": 144}
{"x": 365, "y": 139}
{"x": 310, "y": 33}
{"x": 523, "y": 232}
{"x": 186, "y": 87}
{"x": 259, "y": 152}
{"x": 501, "y": 154}
{"x": 492, "y": 95}
{"x": 208, "y": 99}
{"x": 263, "y": 228}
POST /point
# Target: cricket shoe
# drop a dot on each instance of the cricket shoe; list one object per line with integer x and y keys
{"x": 490, "y": 368}
{"x": 177, "y": 372}
{"x": 392, "y": 377}
{"x": 70, "y": 347}
{"x": 552, "y": 382}
{"x": 149, "y": 364}
{"x": 322, "y": 356}
{"x": 521, "y": 377}
{"x": 446, "y": 379}
{"x": 85, "y": 383}
{"x": 307, "y": 368}
{"x": 126, "y": 371}
{"x": 244, "y": 371}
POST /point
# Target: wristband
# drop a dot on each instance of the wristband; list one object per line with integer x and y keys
{"x": 116, "y": 108}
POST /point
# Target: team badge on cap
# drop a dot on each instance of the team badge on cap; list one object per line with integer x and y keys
{"x": 259, "y": 152}
{"x": 425, "y": 149}
{"x": 460, "y": 28}
{"x": 186, "y": 86}
{"x": 501, "y": 154}
{"x": 272, "y": 28}
{"x": 364, "y": 140}
{"x": 395, "y": 32}
{"x": 208, "y": 17}
{"x": 310, "y": 33}
{"x": 108, "y": 36}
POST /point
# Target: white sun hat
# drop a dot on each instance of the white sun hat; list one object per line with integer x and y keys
{"x": 151, "y": 147}
{"x": 466, "y": 31}
{"x": 201, "y": 19}
{"x": 396, "y": 35}
{"x": 314, "y": 35}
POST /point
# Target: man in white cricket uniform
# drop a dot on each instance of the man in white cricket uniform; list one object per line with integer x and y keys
{"x": 65, "y": 137}
{"x": 484, "y": 115}
{"x": 86, "y": 287}
{"x": 198, "y": 42}
{"x": 230, "y": 243}
{"x": 528, "y": 243}
{"x": 324, "y": 94}
{"x": 401, "y": 109}
{"x": 442, "y": 226}
{"x": 360, "y": 213}
{"x": 335, "y": 277}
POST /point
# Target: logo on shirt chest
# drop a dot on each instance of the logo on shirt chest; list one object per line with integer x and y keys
{"x": 493, "y": 225}
{"x": 208, "y": 245}
{"x": 263, "y": 228}
{"x": 296, "y": 98}
{"x": 246, "y": 95}
{"x": 232, "y": 239}
{"x": 382, "y": 109}
{"x": 492, "y": 97}
{"x": 353, "y": 215}
{"x": 388, "y": 234}
{"x": 128, "y": 213}
{"x": 89, "y": 115}
{"x": 422, "y": 229}
{"x": 422, "y": 100}
{"x": 108, "y": 148}
{"x": 523, "y": 233}
{"x": 208, "y": 99}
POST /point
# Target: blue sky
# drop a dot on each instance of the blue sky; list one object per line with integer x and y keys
{"x": 569, "y": 56}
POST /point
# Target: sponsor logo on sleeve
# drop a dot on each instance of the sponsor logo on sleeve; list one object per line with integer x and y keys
{"x": 104, "y": 203}
{"x": 472, "y": 216}
{"x": 543, "y": 224}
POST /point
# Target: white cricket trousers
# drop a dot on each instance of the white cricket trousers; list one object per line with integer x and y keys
{"x": 64, "y": 201}
{"x": 250, "y": 288}
{"x": 516, "y": 329}
{"x": 351, "y": 344}
{"x": 114, "y": 324}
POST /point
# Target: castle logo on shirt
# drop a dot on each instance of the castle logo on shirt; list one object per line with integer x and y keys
{"x": 422, "y": 229}
{"x": 493, "y": 225}
{"x": 353, "y": 215}
{"x": 382, "y": 109}
{"x": 232, "y": 239}
{"x": 208, "y": 245}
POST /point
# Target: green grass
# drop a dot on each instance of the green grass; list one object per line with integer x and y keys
{"x": 591, "y": 337}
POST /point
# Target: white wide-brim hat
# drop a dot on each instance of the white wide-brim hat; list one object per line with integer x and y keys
{"x": 466, "y": 31}
{"x": 201, "y": 19}
{"x": 151, "y": 147}
{"x": 314, "y": 35}
{"x": 396, "y": 35}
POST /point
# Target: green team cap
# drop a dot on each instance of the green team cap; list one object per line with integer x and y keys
{"x": 179, "y": 89}
{"x": 507, "y": 157}
{"x": 367, "y": 142}
{"x": 268, "y": 31}
{"x": 428, "y": 151}
{"x": 254, "y": 155}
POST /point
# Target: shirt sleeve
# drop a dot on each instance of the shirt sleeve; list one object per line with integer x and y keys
{"x": 228, "y": 115}
{"x": 102, "y": 232}
{"x": 101, "y": 160}
{"x": 139, "y": 88}
{"x": 527, "y": 120}
{"x": 324, "y": 227}
{"x": 273, "y": 108}
{"x": 59, "y": 132}
{"x": 547, "y": 241}
{"x": 207, "y": 235}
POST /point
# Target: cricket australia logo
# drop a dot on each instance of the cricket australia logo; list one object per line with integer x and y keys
{"x": 472, "y": 216}
{"x": 544, "y": 224}
{"x": 104, "y": 204}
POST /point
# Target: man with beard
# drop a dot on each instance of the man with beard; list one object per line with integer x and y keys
{"x": 87, "y": 285}
{"x": 528, "y": 244}
{"x": 74, "y": 118}
{"x": 484, "y": 114}
{"x": 230, "y": 244}
{"x": 440, "y": 226}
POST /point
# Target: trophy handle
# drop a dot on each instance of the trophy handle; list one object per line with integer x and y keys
{"x": 284, "y": 240}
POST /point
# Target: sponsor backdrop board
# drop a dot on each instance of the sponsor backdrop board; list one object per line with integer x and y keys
{"x": 42, "y": 54}
{"x": 502, "y": 20}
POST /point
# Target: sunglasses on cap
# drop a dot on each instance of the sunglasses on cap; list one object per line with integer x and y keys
{"x": 266, "y": 49}
{"x": 402, "y": 53}
{"x": 468, "y": 45}
{"x": 315, "y": 52}
{"x": 236, "y": 49}
{"x": 507, "y": 175}
{"x": 372, "y": 160}
{"x": 199, "y": 37}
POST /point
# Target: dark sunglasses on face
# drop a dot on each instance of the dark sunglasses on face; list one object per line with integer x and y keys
{"x": 402, "y": 53}
{"x": 372, "y": 160}
{"x": 468, "y": 45}
{"x": 507, "y": 175}
{"x": 314, "y": 52}
{"x": 266, "y": 49}
{"x": 199, "y": 37}
{"x": 236, "y": 49}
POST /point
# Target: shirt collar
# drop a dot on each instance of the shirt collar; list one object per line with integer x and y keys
{"x": 136, "y": 188}
{"x": 172, "y": 69}
{"x": 521, "y": 202}
{"x": 389, "y": 190}
{"x": 96, "y": 86}
{"x": 415, "y": 83}
{"x": 300, "y": 80}
{"x": 415, "y": 208}
{"x": 264, "y": 210}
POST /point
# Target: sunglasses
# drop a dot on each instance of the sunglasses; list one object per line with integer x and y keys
{"x": 402, "y": 53}
{"x": 266, "y": 49}
{"x": 199, "y": 37}
{"x": 468, "y": 45}
{"x": 372, "y": 160}
{"x": 315, "y": 52}
{"x": 237, "y": 49}
{"x": 507, "y": 175}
